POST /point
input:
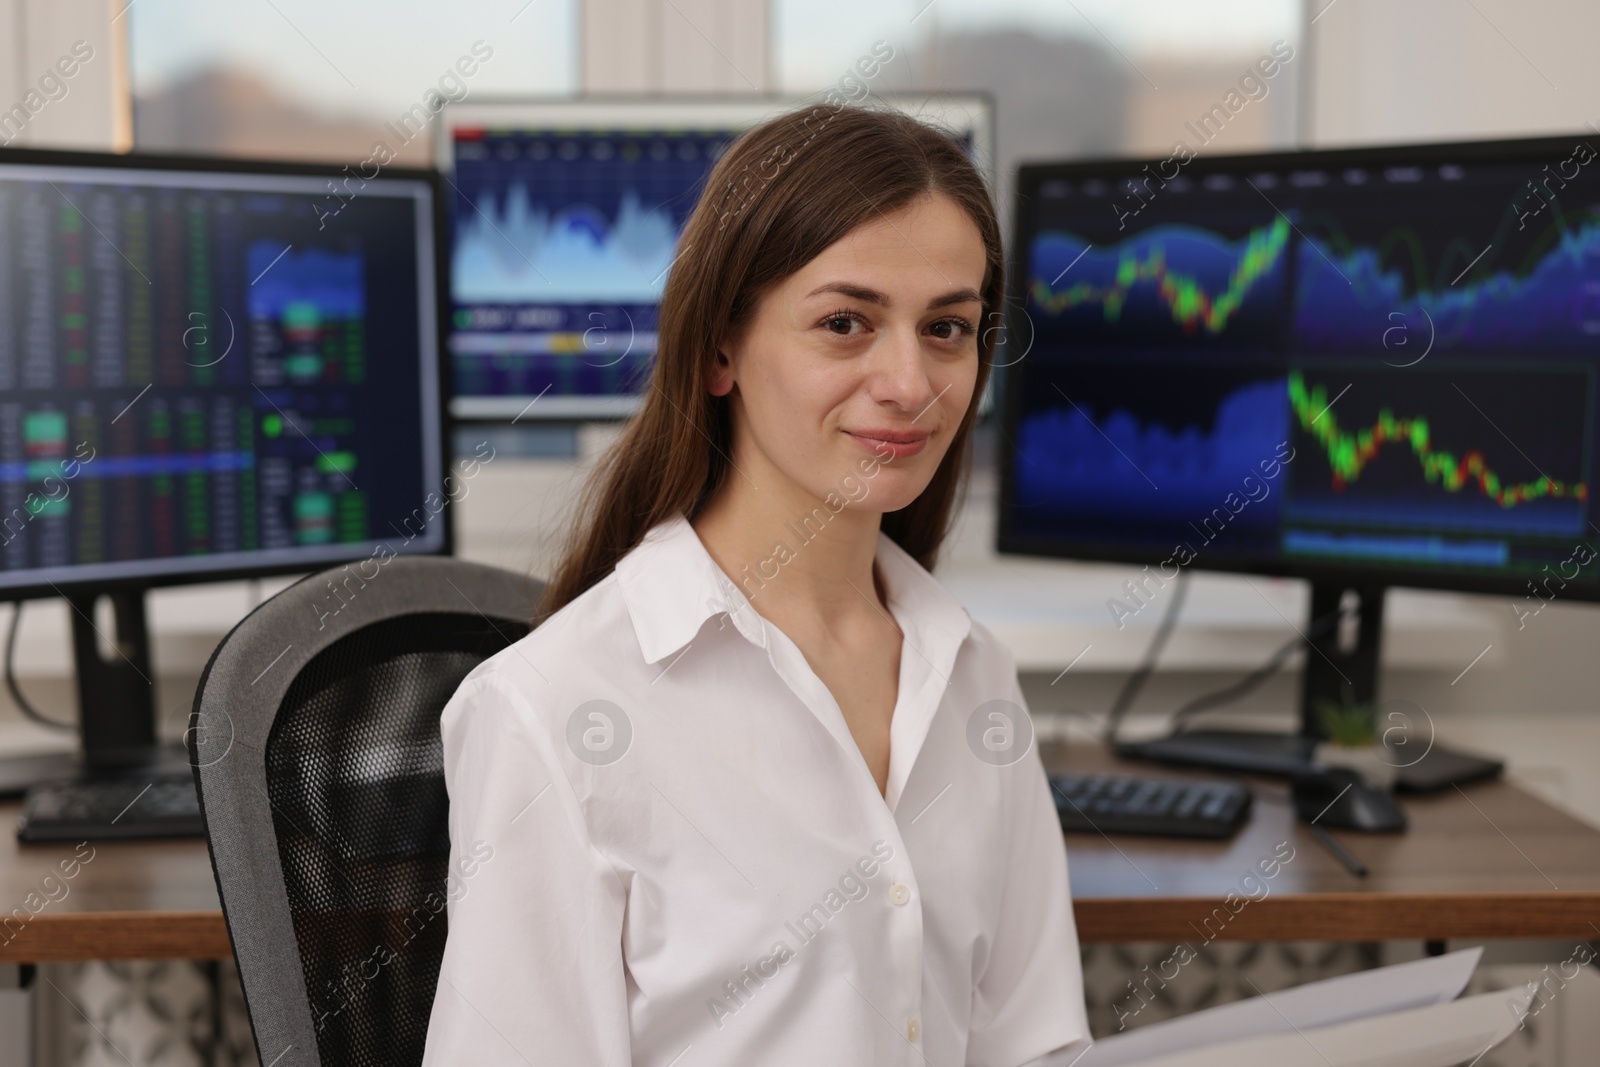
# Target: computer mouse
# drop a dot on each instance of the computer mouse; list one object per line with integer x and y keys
{"x": 1340, "y": 799}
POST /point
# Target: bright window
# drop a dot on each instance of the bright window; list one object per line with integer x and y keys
{"x": 1071, "y": 78}
{"x": 313, "y": 79}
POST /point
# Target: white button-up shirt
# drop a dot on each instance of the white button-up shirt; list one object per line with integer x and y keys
{"x": 667, "y": 849}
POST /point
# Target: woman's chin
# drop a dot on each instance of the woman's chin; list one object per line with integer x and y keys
{"x": 890, "y": 494}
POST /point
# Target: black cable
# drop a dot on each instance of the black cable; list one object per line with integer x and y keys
{"x": 11, "y": 676}
{"x": 1152, "y": 652}
{"x": 1249, "y": 682}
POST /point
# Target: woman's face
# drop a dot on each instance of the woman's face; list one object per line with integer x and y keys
{"x": 853, "y": 373}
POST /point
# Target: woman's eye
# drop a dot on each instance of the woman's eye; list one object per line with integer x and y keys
{"x": 841, "y": 322}
{"x": 950, "y": 329}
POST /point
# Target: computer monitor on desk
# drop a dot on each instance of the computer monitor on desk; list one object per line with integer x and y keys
{"x": 1362, "y": 368}
{"x": 208, "y": 370}
{"x": 565, "y": 217}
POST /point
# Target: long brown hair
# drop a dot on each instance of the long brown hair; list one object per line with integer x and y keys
{"x": 782, "y": 193}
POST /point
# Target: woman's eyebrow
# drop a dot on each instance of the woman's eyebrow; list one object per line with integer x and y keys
{"x": 855, "y": 292}
{"x": 872, "y": 296}
{"x": 955, "y": 296}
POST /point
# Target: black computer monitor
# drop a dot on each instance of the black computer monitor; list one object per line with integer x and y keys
{"x": 565, "y": 219}
{"x": 1364, "y": 367}
{"x": 208, "y": 370}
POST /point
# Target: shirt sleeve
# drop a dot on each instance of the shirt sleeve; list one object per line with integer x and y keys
{"x": 533, "y": 970}
{"x": 1028, "y": 1001}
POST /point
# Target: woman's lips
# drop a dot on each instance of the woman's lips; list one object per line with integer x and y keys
{"x": 891, "y": 444}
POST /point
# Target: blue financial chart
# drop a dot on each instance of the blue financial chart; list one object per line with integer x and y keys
{"x": 561, "y": 242}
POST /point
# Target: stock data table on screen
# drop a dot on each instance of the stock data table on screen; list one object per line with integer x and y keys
{"x": 201, "y": 372}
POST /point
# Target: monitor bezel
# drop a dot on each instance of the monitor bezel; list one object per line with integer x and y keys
{"x": 627, "y": 111}
{"x": 1550, "y": 149}
{"x": 441, "y": 463}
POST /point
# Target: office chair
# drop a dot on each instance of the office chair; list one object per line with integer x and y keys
{"x": 316, "y": 753}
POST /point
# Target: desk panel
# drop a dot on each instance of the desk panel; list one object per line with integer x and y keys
{"x": 127, "y": 900}
{"x": 1485, "y": 861}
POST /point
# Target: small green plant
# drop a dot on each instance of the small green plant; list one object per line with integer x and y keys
{"x": 1351, "y": 723}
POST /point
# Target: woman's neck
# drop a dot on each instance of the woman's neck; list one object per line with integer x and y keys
{"x": 789, "y": 551}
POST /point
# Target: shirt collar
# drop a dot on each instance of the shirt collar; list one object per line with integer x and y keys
{"x": 671, "y": 586}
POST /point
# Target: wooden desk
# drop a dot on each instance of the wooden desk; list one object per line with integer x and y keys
{"x": 1469, "y": 867}
{"x": 1487, "y": 860}
{"x": 132, "y": 900}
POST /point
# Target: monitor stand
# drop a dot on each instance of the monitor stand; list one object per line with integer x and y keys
{"x": 1343, "y": 662}
{"x": 116, "y": 701}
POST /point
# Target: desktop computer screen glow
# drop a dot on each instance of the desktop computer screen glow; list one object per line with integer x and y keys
{"x": 560, "y": 249}
{"x": 565, "y": 220}
{"x": 198, "y": 376}
{"x": 1380, "y": 363}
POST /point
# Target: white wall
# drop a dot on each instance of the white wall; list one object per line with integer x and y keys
{"x": 92, "y": 107}
{"x": 675, "y": 46}
{"x": 1438, "y": 70}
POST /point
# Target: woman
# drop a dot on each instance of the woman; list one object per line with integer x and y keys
{"x": 757, "y": 790}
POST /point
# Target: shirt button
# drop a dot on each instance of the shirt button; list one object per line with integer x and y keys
{"x": 913, "y": 1029}
{"x": 899, "y": 894}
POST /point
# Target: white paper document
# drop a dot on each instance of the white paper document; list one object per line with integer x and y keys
{"x": 1440, "y": 1035}
{"x": 1400, "y": 1016}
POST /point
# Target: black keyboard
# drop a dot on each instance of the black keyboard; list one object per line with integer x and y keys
{"x": 1116, "y": 804}
{"x": 111, "y": 808}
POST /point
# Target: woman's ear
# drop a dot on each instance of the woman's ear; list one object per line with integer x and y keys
{"x": 721, "y": 383}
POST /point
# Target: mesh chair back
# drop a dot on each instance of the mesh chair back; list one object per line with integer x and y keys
{"x": 315, "y": 742}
